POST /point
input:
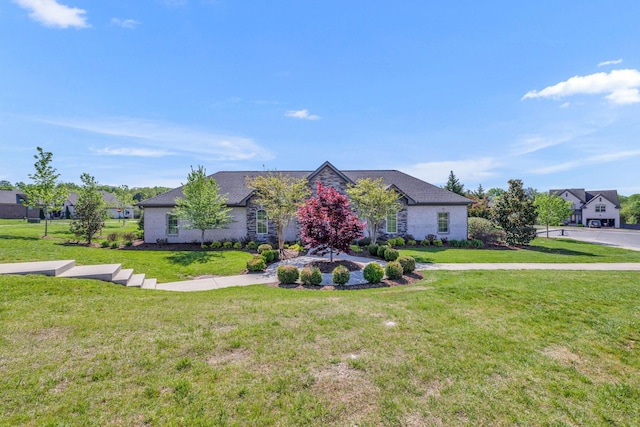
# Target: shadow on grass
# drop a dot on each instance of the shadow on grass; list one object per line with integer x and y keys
{"x": 9, "y": 237}
{"x": 563, "y": 251}
{"x": 192, "y": 257}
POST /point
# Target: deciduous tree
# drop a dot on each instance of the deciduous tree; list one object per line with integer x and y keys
{"x": 202, "y": 207}
{"x": 124, "y": 201}
{"x": 280, "y": 195}
{"x": 44, "y": 193}
{"x": 90, "y": 213}
{"x": 373, "y": 201}
{"x": 552, "y": 209}
{"x": 327, "y": 223}
{"x": 515, "y": 213}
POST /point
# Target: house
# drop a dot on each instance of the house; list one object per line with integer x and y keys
{"x": 426, "y": 209}
{"x": 592, "y": 205}
{"x": 12, "y": 207}
{"x": 108, "y": 198}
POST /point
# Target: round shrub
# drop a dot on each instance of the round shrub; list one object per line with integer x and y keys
{"x": 393, "y": 270}
{"x": 408, "y": 264}
{"x": 411, "y": 242}
{"x": 340, "y": 275}
{"x": 287, "y": 274}
{"x": 311, "y": 276}
{"x": 373, "y": 272}
{"x": 257, "y": 263}
{"x": 381, "y": 250}
{"x": 391, "y": 254}
{"x": 216, "y": 245}
{"x": 237, "y": 245}
{"x": 365, "y": 241}
{"x": 128, "y": 243}
{"x": 373, "y": 249}
{"x": 477, "y": 244}
{"x": 276, "y": 254}
{"x": 115, "y": 245}
{"x": 264, "y": 247}
{"x": 227, "y": 245}
{"x": 437, "y": 243}
{"x": 484, "y": 230}
{"x": 104, "y": 244}
{"x": 268, "y": 255}
{"x": 252, "y": 245}
{"x": 400, "y": 241}
{"x": 425, "y": 242}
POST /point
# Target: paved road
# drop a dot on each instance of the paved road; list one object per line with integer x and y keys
{"x": 617, "y": 237}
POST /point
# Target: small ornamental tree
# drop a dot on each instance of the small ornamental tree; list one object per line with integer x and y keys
{"x": 374, "y": 202}
{"x": 516, "y": 214}
{"x": 90, "y": 213}
{"x": 327, "y": 223}
{"x": 552, "y": 209}
{"x": 279, "y": 195}
{"x": 202, "y": 207}
{"x": 45, "y": 193}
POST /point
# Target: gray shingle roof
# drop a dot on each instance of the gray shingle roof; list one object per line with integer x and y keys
{"x": 9, "y": 197}
{"x": 233, "y": 183}
{"x": 586, "y": 196}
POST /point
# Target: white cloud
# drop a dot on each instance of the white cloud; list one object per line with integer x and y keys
{"x": 473, "y": 170}
{"x": 613, "y": 62}
{"x": 601, "y": 158}
{"x": 125, "y": 23}
{"x": 127, "y": 151}
{"x": 301, "y": 114}
{"x": 53, "y": 14}
{"x": 167, "y": 137}
{"x": 532, "y": 143}
{"x": 621, "y": 87}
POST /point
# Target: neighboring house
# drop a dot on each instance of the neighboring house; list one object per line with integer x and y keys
{"x": 592, "y": 205}
{"x": 109, "y": 199}
{"x": 426, "y": 209}
{"x": 11, "y": 206}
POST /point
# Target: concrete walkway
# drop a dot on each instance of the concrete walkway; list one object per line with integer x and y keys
{"x": 356, "y": 277}
{"x": 113, "y": 273}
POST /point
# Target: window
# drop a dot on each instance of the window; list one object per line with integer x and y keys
{"x": 261, "y": 222}
{"x": 172, "y": 224}
{"x": 601, "y": 208}
{"x": 443, "y": 222}
{"x": 392, "y": 222}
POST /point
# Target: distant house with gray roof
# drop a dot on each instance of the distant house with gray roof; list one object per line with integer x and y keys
{"x": 426, "y": 208}
{"x": 12, "y": 207}
{"x": 603, "y": 205}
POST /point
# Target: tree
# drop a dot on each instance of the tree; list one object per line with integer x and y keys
{"x": 44, "y": 193}
{"x": 279, "y": 195}
{"x": 5, "y": 185}
{"x": 202, "y": 207}
{"x": 454, "y": 185}
{"x": 552, "y": 209}
{"x": 327, "y": 223}
{"x": 123, "y": 201}
{"x": 480, "y": 206}
{"x": 90, "y": 213}
{"x": 515, "y": 213}
{"x": 373, "y": 202}
{"x": 630, "y": 209}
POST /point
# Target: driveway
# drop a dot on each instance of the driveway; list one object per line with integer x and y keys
{"x": 616, "y": 237}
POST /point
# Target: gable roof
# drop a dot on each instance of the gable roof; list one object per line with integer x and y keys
{"x": 10, "y": 197}
{"x": 587, "y": 196}
{"x": 233, "y": 183}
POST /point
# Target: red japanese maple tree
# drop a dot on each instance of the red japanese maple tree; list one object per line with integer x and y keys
{"x": 327, "y": 224}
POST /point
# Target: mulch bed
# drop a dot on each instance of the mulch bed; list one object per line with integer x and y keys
{"x": 326, "y": 266}
{"x": 407, "y": 279}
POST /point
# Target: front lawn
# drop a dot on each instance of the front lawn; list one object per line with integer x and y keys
{"x": 540, "y": 250}
{"x": 458, "y": 348}
{"x": 22, "y": 242}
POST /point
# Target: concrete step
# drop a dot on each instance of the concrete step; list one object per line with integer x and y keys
{"x": 149, "y": 283}
{"x": 123, "y": 276}
{"x": 137, "y": 280}
{"x": 105, "y": 272}
{"x": 48, "y": 268}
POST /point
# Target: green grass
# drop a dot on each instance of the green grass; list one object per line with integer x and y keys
{"x": 459, "y": 348}
{"x": 22, "y": 242}
{"x": 540, "y": 250}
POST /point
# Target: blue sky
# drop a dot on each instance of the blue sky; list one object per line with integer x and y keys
{"x": 137, "y": 92}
